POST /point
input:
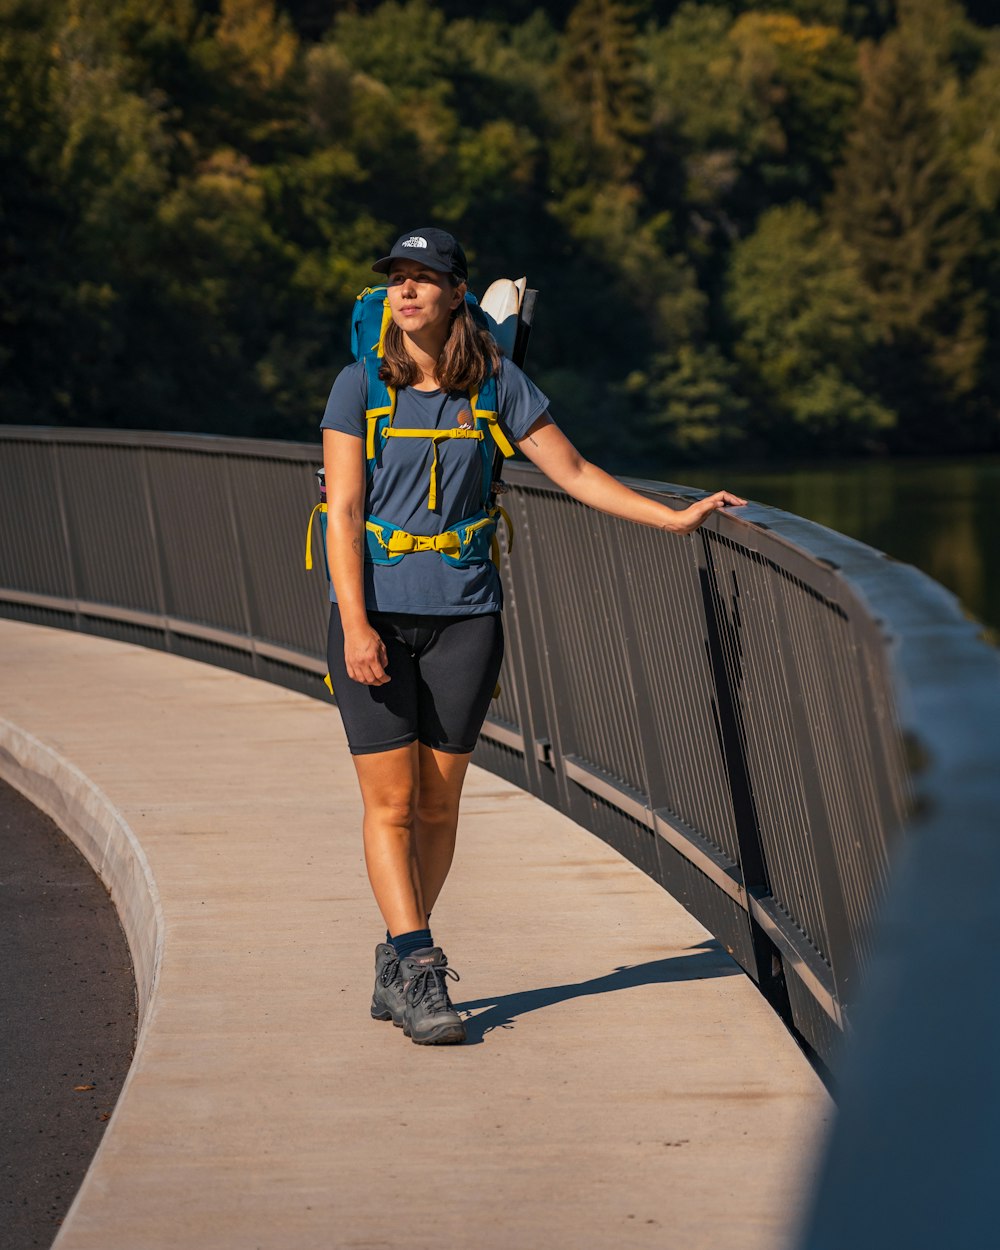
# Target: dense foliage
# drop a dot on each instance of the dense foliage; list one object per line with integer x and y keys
{"x": 757, "y": 227}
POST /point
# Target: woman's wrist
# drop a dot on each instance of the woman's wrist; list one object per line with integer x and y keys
{"x": 354, "y": 623}
{"x": 352, "y": 609}
{"x": 670, "y": 519}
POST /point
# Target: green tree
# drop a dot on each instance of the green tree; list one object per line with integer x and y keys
{"x": 901, "y": 205}
{"x": 600, "y": 75}
{"x": 806, "y": 334}
{"x": 691, "y": 407}
{"x": 751, "y": 110}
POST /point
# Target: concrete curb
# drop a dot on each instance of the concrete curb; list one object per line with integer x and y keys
{"x": 102, "y": 835}
{"x": 92, "y": 822}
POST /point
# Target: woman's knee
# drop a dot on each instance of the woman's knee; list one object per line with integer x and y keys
{"x": 393, "y": 811}
{"x": 390, "y": 785}
{"x": 438, "y": 806}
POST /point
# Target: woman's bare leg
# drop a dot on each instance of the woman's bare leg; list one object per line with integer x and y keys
{"x": 411, "y": 797}
{"x": 389, "y": 784}
{"x": 440, "y": 791}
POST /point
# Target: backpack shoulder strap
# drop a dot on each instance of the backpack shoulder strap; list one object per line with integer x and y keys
{"x": 380, "y": 409}
{"x": 484, "y": 412}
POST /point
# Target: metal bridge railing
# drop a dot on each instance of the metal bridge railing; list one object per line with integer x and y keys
{"x": 732, "y": 710}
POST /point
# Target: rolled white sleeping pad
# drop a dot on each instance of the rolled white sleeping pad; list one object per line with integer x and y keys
{"x": 501, "y": 305}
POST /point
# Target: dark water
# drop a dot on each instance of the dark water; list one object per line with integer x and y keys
{"x": 939, "y": 515}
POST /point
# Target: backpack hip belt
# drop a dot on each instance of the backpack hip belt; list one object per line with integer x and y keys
{"x": 468, "y": 542}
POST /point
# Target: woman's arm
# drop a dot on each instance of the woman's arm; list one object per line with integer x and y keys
{"x": 344, "y": 462}
{"x": 546, "y": 446}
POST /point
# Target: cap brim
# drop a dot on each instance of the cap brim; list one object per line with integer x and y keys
{"x": 383, "y": 266}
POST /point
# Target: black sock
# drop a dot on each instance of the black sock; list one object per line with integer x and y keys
{"x": 388, "y": 935}
{"x": 405, "y": 944}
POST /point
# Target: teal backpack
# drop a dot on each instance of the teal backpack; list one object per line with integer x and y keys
{"x": 470, "y": 541}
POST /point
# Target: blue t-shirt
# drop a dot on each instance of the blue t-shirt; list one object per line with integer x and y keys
{"x": 398, "y": 489}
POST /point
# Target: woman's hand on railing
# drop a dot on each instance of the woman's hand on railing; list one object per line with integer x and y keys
{"x": 688, "y": 519}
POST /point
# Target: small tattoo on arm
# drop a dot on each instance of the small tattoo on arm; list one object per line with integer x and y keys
{"x": 356, "y": 544}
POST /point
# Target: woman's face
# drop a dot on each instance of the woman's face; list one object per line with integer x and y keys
{"x": 421, "y": 300}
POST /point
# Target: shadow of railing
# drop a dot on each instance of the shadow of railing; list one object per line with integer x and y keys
{"x": 507, "y": 1010}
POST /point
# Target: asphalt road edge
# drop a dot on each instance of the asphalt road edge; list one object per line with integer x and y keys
{"x": 98, "y": 829}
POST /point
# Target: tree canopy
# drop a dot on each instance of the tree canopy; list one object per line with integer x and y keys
{"x": 758, "y": 228}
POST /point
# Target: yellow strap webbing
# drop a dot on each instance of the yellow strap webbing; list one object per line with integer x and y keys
{"x": 372, "y": 416}
{"x": 510, "y": 527}
{"x": 320, "y": 507}
{"x": 386, "y": 319}
{"x": 493, "y": 421}
{"x": 401, "y": 543}
{"x": 436, "y": 436}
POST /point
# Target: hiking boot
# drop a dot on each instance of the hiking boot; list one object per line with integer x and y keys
{"x": 429, "y": 1019}
{"x": 387, "y": 997}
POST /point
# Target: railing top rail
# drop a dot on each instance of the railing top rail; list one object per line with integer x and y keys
{"x": 210, "y": 444}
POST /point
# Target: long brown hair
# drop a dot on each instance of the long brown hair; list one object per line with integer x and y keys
{"x": 467, "y": 358}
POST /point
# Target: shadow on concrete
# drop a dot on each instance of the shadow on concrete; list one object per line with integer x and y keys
{"x": 708, "y": 959}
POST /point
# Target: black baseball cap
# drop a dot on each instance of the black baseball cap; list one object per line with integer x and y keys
{"x": 436, "y": 249}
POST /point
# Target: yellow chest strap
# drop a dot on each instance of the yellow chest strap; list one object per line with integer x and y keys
{"x": 485, "y": 415}
{"x": 435, "y": 436}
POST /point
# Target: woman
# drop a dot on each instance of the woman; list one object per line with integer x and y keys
{"x": 416, "y": 643}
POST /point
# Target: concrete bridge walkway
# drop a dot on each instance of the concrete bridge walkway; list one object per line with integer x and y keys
{"x": 624, "y": 1084}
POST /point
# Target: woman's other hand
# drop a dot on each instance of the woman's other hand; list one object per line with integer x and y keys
{"x": 366, "y": 657}
{"x": 688, "y": 519}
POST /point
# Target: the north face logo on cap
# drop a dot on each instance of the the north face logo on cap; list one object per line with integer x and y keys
{"x": 415, "y": 240}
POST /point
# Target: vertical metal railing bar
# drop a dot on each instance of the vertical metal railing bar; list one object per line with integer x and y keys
{"x": 525, "y": 646}
{"x": 864, "y": 829}
{"x": 621, "y": 676}
{"x": 607, "y": 550}
{"x": 543, "y": 720}
{"x": 644, "y": 664}
{"x": 786, "y": 825}
{"x": 155, "y": 544}
{"x": 839, "y": 732}
{"x": 751, "y": 673}
{"x": 270, "y": 498}
{"x": 612, "y": 694}
{"x": 893, "y": 772}
{"x": 513, "y": 677}
{"x": 567, "y": 633}
{"x": 244, "y": 581}
{"x": 196, "y": 520}
{"x": 736, "y": 583}
{"x": 752, "y": 866}
{"x": 72, "y": 568}
{"x": 839, "y": 946}
{"x": 561, "y": 632}
{"x": 840, "y": 746}
{"x": 775, "y": 765}
{"x": 556, "y": 562}
{"x": 678, "y": 683}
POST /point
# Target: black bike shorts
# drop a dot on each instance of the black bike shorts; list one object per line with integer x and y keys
{"x": 442, "y": 673}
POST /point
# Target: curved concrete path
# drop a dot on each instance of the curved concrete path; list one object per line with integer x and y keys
{"x": 625, "y": 1085}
